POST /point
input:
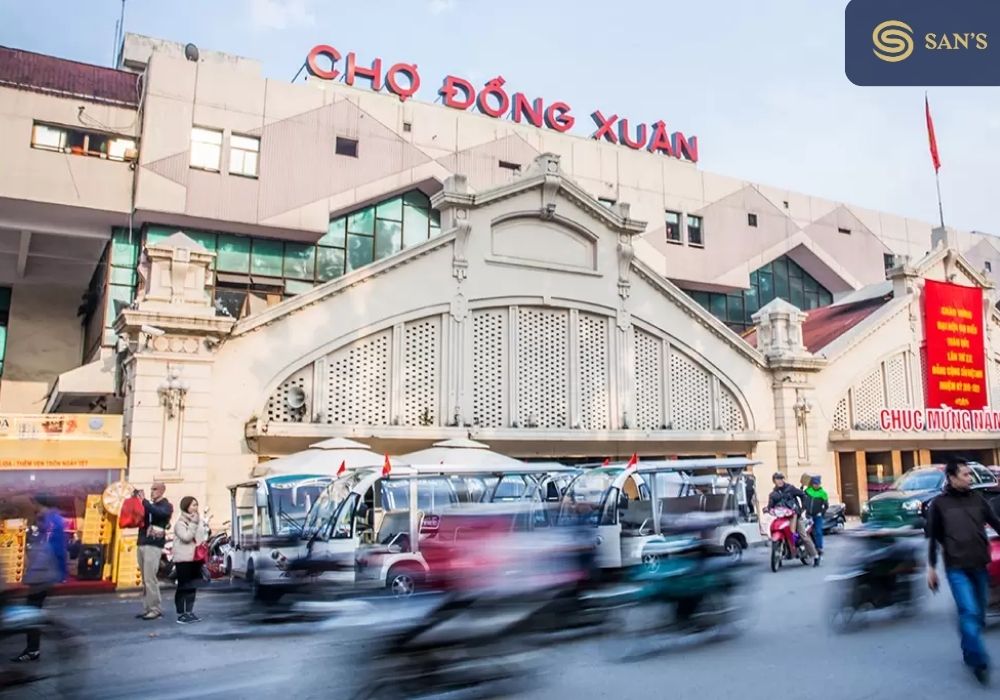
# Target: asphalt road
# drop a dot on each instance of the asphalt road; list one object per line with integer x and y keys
{"x": 789, "y": 651}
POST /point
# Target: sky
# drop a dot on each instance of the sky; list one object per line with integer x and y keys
{"x": 760, "y": 83}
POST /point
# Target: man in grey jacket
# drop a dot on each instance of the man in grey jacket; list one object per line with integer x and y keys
{"x": 152, "y": 540}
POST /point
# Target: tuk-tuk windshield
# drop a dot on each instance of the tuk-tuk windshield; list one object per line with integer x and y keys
{"x": 432, "y": 494}
{"x": 584, "y": 496}
{"x": 326, "y": 502}
{"x": 291, "y": 501}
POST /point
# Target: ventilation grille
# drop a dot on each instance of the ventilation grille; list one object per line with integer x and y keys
{"x": 648, "y": 380}
{"x": 690, "y": 394}
{"x": 421, "y": 344}
{"x": 868, "y": 401}
{"x": 489, "y": 343}
{"x": 357, "y": 383}
{"x": 841, "y": 419}
{"x": 543, "y": 368}
{"x": 594, "y": 385}
{"x": 277, "y": 405}
{"x": 730, "y": 414}
{"x": 895, "y": 382}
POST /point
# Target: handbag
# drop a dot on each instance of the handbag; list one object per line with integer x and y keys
{"x": 201, "y": 553}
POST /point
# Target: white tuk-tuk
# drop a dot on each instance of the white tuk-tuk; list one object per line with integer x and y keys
{"x": 628, "y": 505}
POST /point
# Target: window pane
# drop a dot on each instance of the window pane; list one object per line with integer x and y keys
{"x": 117, "y": 147}
{"x": 205, "y": 155}
{"x": 297, "y": 287}
{"x": 329, "y": 264}
{"x": 701, "y": 298}
{"x": 266, "y": 258}
{"x": 780, "y": 280}
{"x": 766, "y": 287}
{"x": 119, "y": 297}
{"x": 49, "y": 136}
{"x": 335, "y": 233}
{"x": 155, "y": 234}
{"x": 416, "y": 226}
{"x": 392, "y": 210}
{"x": 809, "y": 284}
{"x": 812, "y": 300}
{"x": 795, "y": 294}
{"x": 362, "y": 221}
{"x": 359, "y": 251}
{"x": 4, "y": 298}
{"x": 416, "y": 198}
{"x": 750, "y": 303}
{"x": 825, "y": 298}
{"x": 234, "y": 254}
{"x": 388, "y": 238}
{"x": 718, "y": 305}
{"x": 209, "y": 136}
{"x": 734, "y": 305}
{"x": 245, "y": 143}
{"x": 231, "y": 300}
{"x": 123, "y": 275}
{"x": 794, "y": 271}
{"x": 673, "y": 217}
{"x": 124, "y": 252}
{"x": 300, "y": 261}
{"x": 202, "y": 237}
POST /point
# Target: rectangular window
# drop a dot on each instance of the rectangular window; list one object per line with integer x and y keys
{"x": 889, "y": 261}
{"x": 609, "y": 203}
{"x": 244, "y": 152}
{"x": 673, "y": 221}
{"x": 48, "y": 137}
{"x": 696, "y": 234}
{"x": 206, "y": 148}
{"x": 752, "y": 220}
{"x": 507, "y": 165}
{"x": 845, "y": 231}
{"x": 989, "y": 266}
{"x": 407, "y": 127}
{"x": 346, "y": 147}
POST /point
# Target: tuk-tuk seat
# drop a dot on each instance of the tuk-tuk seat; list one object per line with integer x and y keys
{"x": 683, "y": 504}
{"x": 636, "y": 514}
{"x": 716, "y": 502}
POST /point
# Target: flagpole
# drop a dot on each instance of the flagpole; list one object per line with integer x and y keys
{"x": 937, "y": 181}
{"x": 935, "y": 158}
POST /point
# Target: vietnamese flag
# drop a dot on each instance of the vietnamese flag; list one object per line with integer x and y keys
{"x": 343, "y": 467}
{"x": 935, "y": 158}
{"x": 386, "y": 467}
{"x": 632, "y": 461}
{"x": 606, "y": 462}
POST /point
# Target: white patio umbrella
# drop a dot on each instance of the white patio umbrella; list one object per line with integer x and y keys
{"x": 460, "y": 452}
{"x": 322, "y": 459}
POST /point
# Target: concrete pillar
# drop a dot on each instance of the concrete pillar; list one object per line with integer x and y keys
{"x": 923, "y": 458}
{"x": 861, "y": 465}
{"x": 897, "y": 463}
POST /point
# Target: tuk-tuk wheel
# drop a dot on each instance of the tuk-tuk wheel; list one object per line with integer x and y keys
{"x": 734, "y": 548}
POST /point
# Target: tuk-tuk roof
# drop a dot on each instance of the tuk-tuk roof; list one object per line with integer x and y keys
{"x": 492, "y": 470}
{"x": 280, "y": 479}
{"x": 681, "y": 465}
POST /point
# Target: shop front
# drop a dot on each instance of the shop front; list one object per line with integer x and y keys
{"x": 72, "y": 463}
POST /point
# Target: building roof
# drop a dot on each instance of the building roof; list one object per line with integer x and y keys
{"x": 24, "y": 70}
{"x": 824, "y": 325}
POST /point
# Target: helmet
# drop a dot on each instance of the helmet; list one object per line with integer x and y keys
{"x": 777, "y": 475}
{"x": 816, "y": 479}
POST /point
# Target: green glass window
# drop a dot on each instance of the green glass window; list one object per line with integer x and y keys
{"x": 123, "y": 275}
{"x": 416, "y": 225}
{"x": 293, "y": 287}
{"x": 300, "y": 261}
{"x": 416, "y": 198}
{"x": 124, "y": 248}
{"x": 335, "y": 233}
{"x": 766, "y": 287}
{"x": 392, "y": 210}
{"x": 329, "y": 263}
{"x": 717, "y": 305}
{"x": 388, "y": 238}
{"x": 234, "y": 254}
{"x": 359, "y": 251}
{"x": 362, "y": 222}
{"x": 267, "y": 257}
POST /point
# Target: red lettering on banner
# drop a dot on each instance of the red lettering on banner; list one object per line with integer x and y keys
{"x": 312, "y": 62}
{"x": 954, "y": 349}
{"x": 373, "y": 74}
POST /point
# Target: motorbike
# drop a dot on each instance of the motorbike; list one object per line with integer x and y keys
{"x": 835, "y": 519}
{"x": 884, "y": 570}
{"x": 786, "y": 544}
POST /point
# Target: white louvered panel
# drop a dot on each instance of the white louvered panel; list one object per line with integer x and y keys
{"x": 357, "y": 382}
{"x": 923, "y": 379}
{"x": 730, "y": 413}
{"x": 277, "y": 405}
{"x": 648, "y": 380}
{"x": 489, "y": 360}
{"x": 421, "y": 376}
{"x": 895, "y": 382}
{"x": 868, "y": 399}
{"x": 690, "y": 394}
{"x": 594, "y": 384}
{"x": 543, "y": 368}
{"x": 841, "y": 419}
{"x": 995, "y": 388}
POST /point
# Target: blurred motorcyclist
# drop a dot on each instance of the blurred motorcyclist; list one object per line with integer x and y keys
{"x": 785, "y": 495}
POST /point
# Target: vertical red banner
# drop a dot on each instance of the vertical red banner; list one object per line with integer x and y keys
{"x": 953, "y": 330}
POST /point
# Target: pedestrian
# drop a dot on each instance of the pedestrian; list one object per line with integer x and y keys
{"x": 190, "y": 531}
{"x": 152, "y": 540}
{"x": 817, "y": 502}
{"x": 787, "y": 496}
{"x": 45, "y": 566}
{"x": 957, "y": 519}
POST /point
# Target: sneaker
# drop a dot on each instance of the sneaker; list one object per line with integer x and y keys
{"x": 816, "y": 561}
{"x": 982, "y": 674}
{"x": 151, "y": 615}
{"x": 183, "y": 619}
{"x": 27, "y": 656}
{"x": 193, "y": 618}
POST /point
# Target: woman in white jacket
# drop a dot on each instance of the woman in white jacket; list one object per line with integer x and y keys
{"x": 189, "y": 531}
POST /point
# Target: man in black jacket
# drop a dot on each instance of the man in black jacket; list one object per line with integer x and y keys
{"x": 787, "y": 496}
{"x": 152, "y": 539}
{"x": 957, "y": 520}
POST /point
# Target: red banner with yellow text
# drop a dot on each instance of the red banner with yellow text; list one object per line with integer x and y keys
{"x": 953, "y": 329}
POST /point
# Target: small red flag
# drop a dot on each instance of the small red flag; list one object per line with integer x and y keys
{"x": 935, "y": 157}
{"x": 632, "y": 461}
{"x": 606, "y": 462}
{"x": 343, "y": 467}
{"x": 386, "y": 467}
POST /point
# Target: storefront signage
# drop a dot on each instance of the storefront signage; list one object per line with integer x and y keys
{"x": 956, "y": 363}
{"x": 494, "y": 100}
{"x": 912, "y": 420}
{"x": 60, "y": 427}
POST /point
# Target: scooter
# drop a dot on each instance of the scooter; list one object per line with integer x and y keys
{"x": 884, "y": 571}
{"x": 785, "y": 542}
{"x": 835, "y": 519}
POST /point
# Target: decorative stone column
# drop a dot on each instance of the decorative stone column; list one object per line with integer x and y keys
{"x": 167, "y": 343}
{"x": 801, "y": 447}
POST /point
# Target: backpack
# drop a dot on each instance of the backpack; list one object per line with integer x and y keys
{"x": 133, "y": 513}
